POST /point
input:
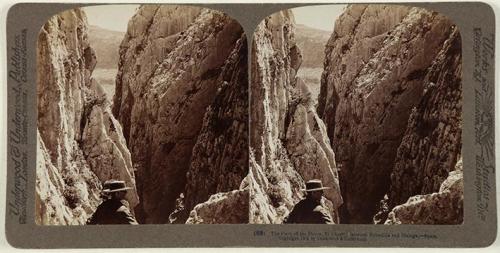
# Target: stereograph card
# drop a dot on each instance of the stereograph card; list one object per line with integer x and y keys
{"x": 253, "y": 125}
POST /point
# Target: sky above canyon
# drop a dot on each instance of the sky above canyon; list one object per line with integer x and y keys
{"x": 115, "y": 17}
{"x": 321, "y": 17}
{"x": 112, "y": 17}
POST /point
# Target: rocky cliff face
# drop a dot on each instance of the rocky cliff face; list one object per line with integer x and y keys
{"x": 219, "y": 160}
{"x": 80, "y": 143}
{"x": 289, "y": 144}
{"x": 381, "y": 63}
{"x": 171, "y": 84}
{"x": 445, "y": 206}
{"x": 431, "y": 145}
{"x": 222, "y": 208}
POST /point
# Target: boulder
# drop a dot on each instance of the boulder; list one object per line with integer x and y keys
{"x": 444, "y": 207}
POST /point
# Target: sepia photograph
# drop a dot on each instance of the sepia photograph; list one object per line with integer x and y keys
{"x": 142, "y": 117}
{"x": 356, "y": 117}
{"x": 287, "y": 125}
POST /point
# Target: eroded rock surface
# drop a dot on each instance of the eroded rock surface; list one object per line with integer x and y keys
{"x": 220, "y": 156}
{"x": 288, "y": 140}
{"x": 80, "y": 143}
{"x": 432, "y": 142}
{"x": 222, "y": 208}
{"x": 376, "y": 65}
{"x": 170, "y": 68}
{"x": 444, "y": 207}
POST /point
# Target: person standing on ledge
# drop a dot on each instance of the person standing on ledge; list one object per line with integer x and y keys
{"x": 311, "y": 210}
{"x": 114, "y": 209}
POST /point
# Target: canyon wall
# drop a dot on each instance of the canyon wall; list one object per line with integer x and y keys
{"x": 390, "y": 98}
{"x": 431, "y": 145}
{"x": 178, "y": 67}
{"x": 387, "y": 128}
{"x": 219, "y": 160}
{"x": 80, "y": 143}
{"x": 288, "y": 140}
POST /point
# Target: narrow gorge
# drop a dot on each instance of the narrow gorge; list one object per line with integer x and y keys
{"x": 80, "y": 142}
{"x": 288, "y": 141}
{"x": 385, "y": 135}
{"x": 207, "y": 130}
{"x": 175, "y": 62}
{"x": 175, "y": 130}
{"x": 391, "y": 100}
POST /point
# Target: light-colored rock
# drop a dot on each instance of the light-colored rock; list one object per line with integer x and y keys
{"x": 375, "y": 66}
{"x": 273, "y": 193}
{"x": 104, "y": 145}
{"x": 170, "y": 63}
{"x": 50, "y": 204}
{"x": 441, "y": 208}
{"x": 356, "y": 37}
{"x": 287, "y": 138}
{"x": 77, "y": 151}
{"x": 309, "y": 148}
{"x": 222, "y": 208}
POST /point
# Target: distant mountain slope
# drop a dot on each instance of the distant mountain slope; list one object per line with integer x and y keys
{"x": 106, "y": 44}
{"x": 312, "y": 44}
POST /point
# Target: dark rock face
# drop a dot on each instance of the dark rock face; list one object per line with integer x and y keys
{"x": 80, "y": 143}
{"x": 377, "y": 64}
{"x": 170, "y": 65}
{"x": 220, "y": 156}
{"x": 288, "y": 140}
{"x": 432, "y": 143}
{"x": 358, "y": 33}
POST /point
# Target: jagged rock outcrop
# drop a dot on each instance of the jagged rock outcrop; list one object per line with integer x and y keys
{"x": 444, "y": 207}
{"x": 308, "y": 146}
{"x": 222, "y": 208}
{"x": 376, "y": 65}
{"x": 170, "y": 65}
{"x": 80, "y": 144}
{"x": 288, "y": 140}
{"x": 50, "y": 204}
{"x": 432, "y": 142}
